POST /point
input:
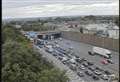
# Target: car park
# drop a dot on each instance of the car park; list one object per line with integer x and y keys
{"x": 88, "y": 72}
{"x": 80, "y": 74}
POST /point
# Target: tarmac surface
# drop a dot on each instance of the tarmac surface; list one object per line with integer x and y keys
{"x": 81, "y": 50}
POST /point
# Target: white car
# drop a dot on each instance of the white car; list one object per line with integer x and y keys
{"x": 60, "y": 39}
{"x": 104, "y": 77}
{"x": 82, "y": 67}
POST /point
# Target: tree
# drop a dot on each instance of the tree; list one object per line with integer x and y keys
{"x": 22, "y": 64}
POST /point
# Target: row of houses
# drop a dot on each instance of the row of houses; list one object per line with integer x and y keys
{"x": 109, "y": 30}
{"x": 103, "y": 30}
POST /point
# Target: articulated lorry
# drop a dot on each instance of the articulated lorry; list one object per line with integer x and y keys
{"x": 100, "y": 51}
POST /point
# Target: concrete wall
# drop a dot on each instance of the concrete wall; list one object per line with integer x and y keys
{"x": 108, "y": 43}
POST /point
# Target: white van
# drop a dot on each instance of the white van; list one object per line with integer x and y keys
{"x": 100, "y": 51}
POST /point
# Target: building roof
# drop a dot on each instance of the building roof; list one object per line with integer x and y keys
{"x": 96, "y": 26}
{"x": 49, "y": 32}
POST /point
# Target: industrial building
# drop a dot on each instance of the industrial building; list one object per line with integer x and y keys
{"x": 48, "y": 35}
{"x": 43, "y": 37}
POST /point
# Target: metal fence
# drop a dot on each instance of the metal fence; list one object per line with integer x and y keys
{"x": 108, "y": 43}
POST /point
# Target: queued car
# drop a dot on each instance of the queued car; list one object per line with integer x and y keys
{"x": 78, "y": 60}
{"x": 85, "y": 64}
{"x": 97, "y": 72}
{"x": 65, "y": 60}
{"x": 73, "y": 67}
{"x": 60, "y": 58}
{"x": 80, "y": 74}
{"x": 107, "y": 72}
{"x": 90, "y": 63}
{"x": 88, "y": 72}
{"x": 92, "y": 68}
{"x": 99, "y": 68}
{"x": 89, "y": 52}
{"x": 82, "y": 67}
{"x": 60, "y": 39}
{"x": 109, "y": 61}
{"x": 104, "y": 77}
{"x": 95, "y": 77}
{"x": 105, "y": 62}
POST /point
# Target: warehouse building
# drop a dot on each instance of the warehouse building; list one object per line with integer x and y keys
{"x": 48, "y": 35}
{"x": 43, "y": 37}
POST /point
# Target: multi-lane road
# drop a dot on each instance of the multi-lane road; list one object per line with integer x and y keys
{"x": 81, "y": 50}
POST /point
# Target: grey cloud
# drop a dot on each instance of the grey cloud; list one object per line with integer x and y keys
{"x": 32, "y": 8}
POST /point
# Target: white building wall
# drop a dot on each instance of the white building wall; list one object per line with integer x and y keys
{"x": 113, "y": 34}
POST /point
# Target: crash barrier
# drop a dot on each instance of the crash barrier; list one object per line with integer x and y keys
{"x": 108, "y": 43}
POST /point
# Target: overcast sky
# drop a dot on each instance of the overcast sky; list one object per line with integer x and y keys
{"x": 45, "y": 8}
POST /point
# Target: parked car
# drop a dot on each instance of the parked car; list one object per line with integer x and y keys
{"x": 88, "y": 72}
{"x": 81, "y": 74}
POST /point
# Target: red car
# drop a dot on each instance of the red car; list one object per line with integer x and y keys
{"x": 104, "y": 62}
